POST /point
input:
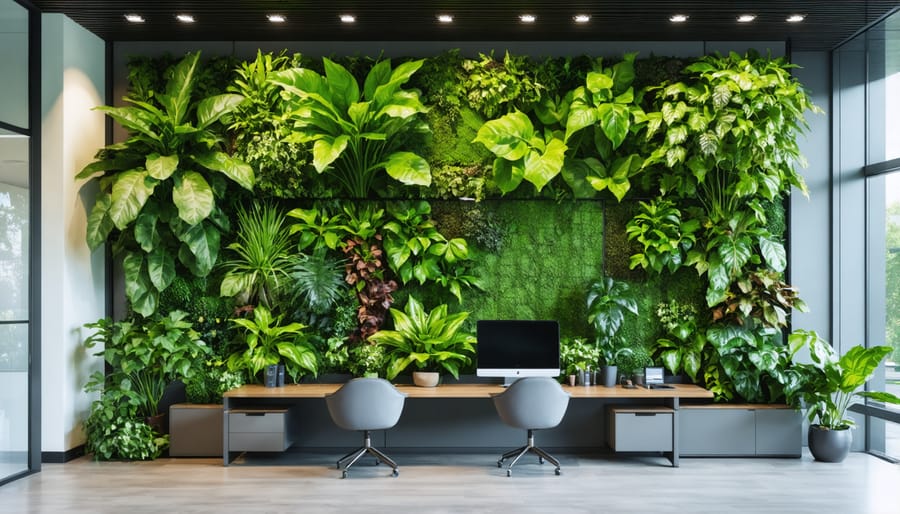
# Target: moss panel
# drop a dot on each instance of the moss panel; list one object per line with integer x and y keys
{"x": 551, "y": 252}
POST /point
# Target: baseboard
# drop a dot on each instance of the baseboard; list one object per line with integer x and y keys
{"x": 62, "y": 457}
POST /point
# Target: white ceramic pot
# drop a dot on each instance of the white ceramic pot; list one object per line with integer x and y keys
{"x": 426, "y": 378}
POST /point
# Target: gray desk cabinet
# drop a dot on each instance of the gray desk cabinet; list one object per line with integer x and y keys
{"x": 260, "y": 430}
{"x": 739, "y": 431}
{"x": 641, "y": 429}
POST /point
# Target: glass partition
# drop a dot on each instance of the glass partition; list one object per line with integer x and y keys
{"x": 14, "y": 63}
{"x": 14, "y": 315}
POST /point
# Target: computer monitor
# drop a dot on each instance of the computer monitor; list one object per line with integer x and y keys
{"x": 513, "y": 349}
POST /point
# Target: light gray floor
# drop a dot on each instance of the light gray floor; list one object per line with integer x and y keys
{"x": 308, "y": 483}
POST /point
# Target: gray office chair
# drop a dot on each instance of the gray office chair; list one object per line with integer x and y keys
{"x": 365, "y": 404}
{"x": 532, "y": 403}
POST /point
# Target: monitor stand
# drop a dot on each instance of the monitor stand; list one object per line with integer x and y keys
{"x": 508, "y": 381}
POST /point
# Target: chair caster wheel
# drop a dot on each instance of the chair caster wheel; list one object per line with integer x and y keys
{"x": 377, "y": 462}
{"x": 540, "y": 460}
{"x": 558, "y": 472}
{"x": 344, "y": 474}
{"x": 337, "y": 466}
{"x": 499, "y": 463}
{"x": 396, "y": 473}
{"x": 509, "y": 472}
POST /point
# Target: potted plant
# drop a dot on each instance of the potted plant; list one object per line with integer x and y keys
{"x": 632, "y": 363}
{"x": 431, "y": 341}
{"x": 578, "y": 356}
{"x": 144, "y": 357}
{"x": 681, "y": 350}
{"x": 831, "y": 385}
{"x": 268, "y": 342}
{"x": 608, "y": 300}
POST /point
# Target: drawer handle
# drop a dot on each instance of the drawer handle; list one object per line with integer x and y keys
{"x": 254, "y": 414}
{"x": 645, "y": 414}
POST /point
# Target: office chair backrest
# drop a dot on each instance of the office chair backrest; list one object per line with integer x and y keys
{"x": 366, "y": 404}
{"x": 532, "y": 403}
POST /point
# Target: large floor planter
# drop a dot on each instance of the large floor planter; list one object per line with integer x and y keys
{"x": 829, "y": 445}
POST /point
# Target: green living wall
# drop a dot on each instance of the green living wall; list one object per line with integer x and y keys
{"x": 500, "y": 187}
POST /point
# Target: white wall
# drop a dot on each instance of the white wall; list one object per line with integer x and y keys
{"x": 72, "y": 287}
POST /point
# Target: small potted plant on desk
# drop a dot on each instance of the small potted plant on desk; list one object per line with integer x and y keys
{"x": 831, "y": 384}
{"x": 578, "y": 357}
{"x": 633, "y": 362}
{"x": 430, "y": 341}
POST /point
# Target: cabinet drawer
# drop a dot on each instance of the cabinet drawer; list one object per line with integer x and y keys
{"x": 640, "y": 429}
{"x": 259, "y": 430}
{"x": 257, "y": 420}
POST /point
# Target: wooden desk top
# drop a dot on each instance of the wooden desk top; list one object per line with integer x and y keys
{"x": 468, "y": 391}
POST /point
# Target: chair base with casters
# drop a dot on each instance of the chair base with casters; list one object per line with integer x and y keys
{"x": 518, "y": 453}
{"x": 359, "y": 453}
{"x": 365, "y": 405}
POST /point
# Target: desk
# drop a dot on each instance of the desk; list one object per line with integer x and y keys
{"x": 253, "y": 394}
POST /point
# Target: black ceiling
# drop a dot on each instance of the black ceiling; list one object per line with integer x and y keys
{"x": 827, "y": 23}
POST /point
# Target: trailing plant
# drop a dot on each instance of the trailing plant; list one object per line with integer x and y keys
{"x": 494, "y": 87}
{"x": 682, "y": 348}
{"x": 729, "y": 131}
{"x": 357, "y": 132}
{"x": 667, "y": 239}
{"x": 114, "y": 432}
{"x": 460, "y": 181}
{"x": 431, "y": 341}
{"x": 210, "y": 382}
{"x": 159, "y": 187}
{"x": 417, "y": 251}
{"x": 269, "y": 342}
{"x": 833, "y": 382}
{"x": 365, "y": 272}
{"x": 262, "y": 258}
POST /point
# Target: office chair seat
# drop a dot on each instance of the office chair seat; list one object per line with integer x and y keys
{"x": 365, "y": 404}
{"x": 531, "y": 403}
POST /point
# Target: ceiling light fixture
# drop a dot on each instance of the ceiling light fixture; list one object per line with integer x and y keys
{"x": 348, "y": 18}
{"x": 185, "y": 18}
{"x": 134, "y": 18}
{"x": 795, "y": 18}
{"x": 746, "y": 18}
{"x": 445, "y": 18}
{"x": 528, "y": 18}
{"x": 678, "y": 18}
{"x": 582, "y": 18}
{"x": 276, "y": 18}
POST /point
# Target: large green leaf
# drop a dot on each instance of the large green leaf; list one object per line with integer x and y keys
{"x": 133, "y": 119}
{"x": 202, "y": 244}
{"x": 378, "y": 75}
{"x": 580, "y": 116}
{"x": 138, "y": 287}
{"x": 507, "y": 137}
{"x": 773, "y": 252}
{"x": 193, "y": 197}
{"x": 129, "y": 194}
{"x": 597, "y": 81}
{"x": 615, "y": 120}
{"x": 178, "y": 90}
{"x": 161, "y": 268}
{"x": 540, "y": 168}
{"x": 327, "y": 150}
{"x": 343, "y": 86}
{"x": 235, "y": 169}
{"x": 508, "y": 175}
{"x": 161, "y": 167}
{"x": 858, "y": 364}
{"x": 408, "y": 168}
{"x": 146, "y": 230}
{"x": 99, "y": 223}
{"x": 211, "y": 109}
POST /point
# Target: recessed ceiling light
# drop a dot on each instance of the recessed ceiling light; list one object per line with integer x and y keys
{"x": 276, "y": 18}
{"x": 445, "y": 18}
{"x": 746, "y": 18}
{"x": 796, "y": 18}
{"x": 134, "y": 18}
{"x": 582, "y": 18}
{"x": 348, "y": 18}
{"x": 185, "y": 18}
{"x": 678, "y": 18}
{"x": 528, "y": 18}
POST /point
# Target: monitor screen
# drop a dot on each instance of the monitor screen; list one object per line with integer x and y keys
{"x": 517, "y": 348}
